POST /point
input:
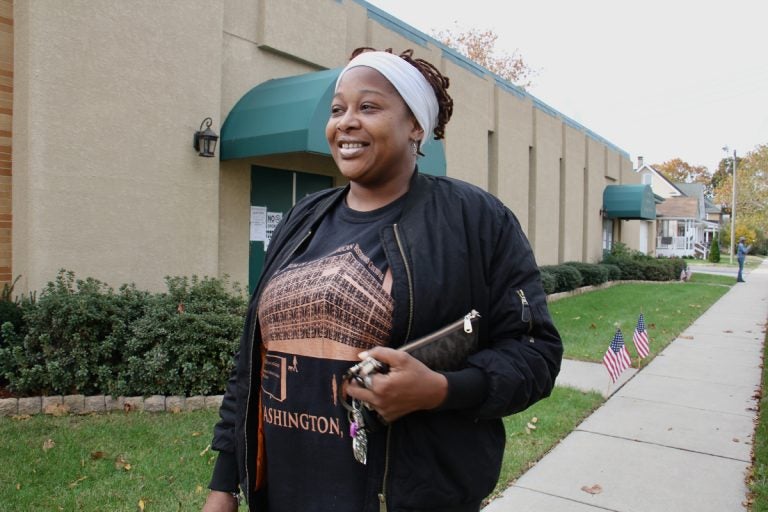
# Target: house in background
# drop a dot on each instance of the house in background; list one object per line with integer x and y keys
{"x": 687, "y": 221}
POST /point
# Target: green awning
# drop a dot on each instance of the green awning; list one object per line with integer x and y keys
{"x": 288, "y": 115}
{"x": 629, "y": 202}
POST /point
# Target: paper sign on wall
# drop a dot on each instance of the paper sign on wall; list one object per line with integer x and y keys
{"x": 259, "y": 224}
{"x": 273, "y": 219}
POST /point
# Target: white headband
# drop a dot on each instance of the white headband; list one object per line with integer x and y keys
{"x": 409, "y": 82}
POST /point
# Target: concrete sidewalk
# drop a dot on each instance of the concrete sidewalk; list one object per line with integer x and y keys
{"x": 677, "y": 435}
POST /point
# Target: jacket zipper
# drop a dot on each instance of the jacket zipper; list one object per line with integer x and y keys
{"x": 525, "y": 315}
{"x": 410, "y": 281}
{"x": 383, "y": 493}
{"x": 464, "y": 322}
{"x": 250, "y": 367}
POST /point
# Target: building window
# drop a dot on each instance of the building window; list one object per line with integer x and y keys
{"x": 647, "y": 179}
{"x": 607, "y": 235}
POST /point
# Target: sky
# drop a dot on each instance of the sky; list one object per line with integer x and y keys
{"x": 659, "y": 79}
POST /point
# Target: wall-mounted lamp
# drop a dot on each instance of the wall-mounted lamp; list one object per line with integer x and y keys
{"x": 205, "y": 140}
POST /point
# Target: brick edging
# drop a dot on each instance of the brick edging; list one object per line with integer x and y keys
{"x": 60, "y": 405}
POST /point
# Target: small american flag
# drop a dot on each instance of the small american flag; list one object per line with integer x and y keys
{"x": 616, "y": 358}
{"x": 640, "y": 338}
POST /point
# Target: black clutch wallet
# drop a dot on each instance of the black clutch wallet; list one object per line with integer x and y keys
{"x": 445, "y": 349}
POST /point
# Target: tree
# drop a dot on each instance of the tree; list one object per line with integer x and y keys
{"x": 480, "y": 47}
{"x": 751, "y": 193}
{"x": 680, "y": 171}
{"x": 714, "y": 252}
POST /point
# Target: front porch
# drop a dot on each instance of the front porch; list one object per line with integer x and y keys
{"x": 690, "y": 238}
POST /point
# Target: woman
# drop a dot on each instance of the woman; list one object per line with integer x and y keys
{"x": 358, "y": 271}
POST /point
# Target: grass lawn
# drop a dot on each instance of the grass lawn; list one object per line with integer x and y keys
{"x": 588, "y": 322}
{"x": 115, "y": 462}
{"x": 759, "y": 482}
{"x": 750, "y": 262}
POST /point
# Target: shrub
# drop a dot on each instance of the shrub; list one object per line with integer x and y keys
{"x": 614, "y": 272}
{"x": 568, "y": 278}
{"x": 82, "y": 337}
{"x": 549, "y": 282}
{"x": 630, "y": 268}
{"x": 184, "y": 343}
{"x": 656, "y": 270}
{"x": 591, "y": 273}
{"x": 714, "y": 252}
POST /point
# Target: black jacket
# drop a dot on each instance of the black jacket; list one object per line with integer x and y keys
{"x": 454, "y": 249}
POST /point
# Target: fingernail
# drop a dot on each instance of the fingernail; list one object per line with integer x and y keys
{"x": 363, "y": 355}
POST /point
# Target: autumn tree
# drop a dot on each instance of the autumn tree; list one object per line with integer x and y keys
{"x": 680, "y": 171}
{"x": 480, "y": 47}
{"x": 751, "y": 193}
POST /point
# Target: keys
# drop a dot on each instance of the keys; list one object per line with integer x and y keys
{"x": 358, "y": 433}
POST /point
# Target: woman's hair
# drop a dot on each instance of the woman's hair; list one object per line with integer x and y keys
{"x": 437, "y": 80}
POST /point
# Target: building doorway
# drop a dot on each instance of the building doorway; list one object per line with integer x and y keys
{"x": 273, "y": 193}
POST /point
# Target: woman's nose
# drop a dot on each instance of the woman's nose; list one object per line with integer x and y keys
{"x": 347, "y": 121}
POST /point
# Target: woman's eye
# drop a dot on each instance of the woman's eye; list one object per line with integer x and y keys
{"x": 336, "y": 111}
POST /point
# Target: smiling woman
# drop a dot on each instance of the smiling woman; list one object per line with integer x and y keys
{"x": 354, "y": 273}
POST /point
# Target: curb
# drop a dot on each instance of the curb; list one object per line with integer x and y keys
{"x": 60, "y": 405}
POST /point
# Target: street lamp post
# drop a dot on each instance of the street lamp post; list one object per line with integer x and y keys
{"x": 733, "y": 205}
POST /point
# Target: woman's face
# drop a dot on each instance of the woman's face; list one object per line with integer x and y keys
{"x": 370, "y": 129}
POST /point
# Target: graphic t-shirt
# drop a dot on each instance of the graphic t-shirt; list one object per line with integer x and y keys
{"x": 316, "y": 314}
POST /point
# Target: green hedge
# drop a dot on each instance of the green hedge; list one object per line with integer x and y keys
{"x": 567, "y": 277}
{"x": 80, "y": 336}
{"x": 591, "y": 273}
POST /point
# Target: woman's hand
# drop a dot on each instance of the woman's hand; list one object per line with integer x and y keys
{"x": 408, "y": 386}
{"x": 219, "y": 501}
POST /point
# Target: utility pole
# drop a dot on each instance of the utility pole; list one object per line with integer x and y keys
{"x": 733, "y": 205}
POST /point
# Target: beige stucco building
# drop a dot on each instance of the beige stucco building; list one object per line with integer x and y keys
{"x": 106, "y": 96}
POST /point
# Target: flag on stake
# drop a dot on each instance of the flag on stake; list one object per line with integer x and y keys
{"x": 616, "y": 358}
{"x": 640, "y": 338}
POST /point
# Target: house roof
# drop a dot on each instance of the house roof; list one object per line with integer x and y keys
{"x": 711, "y": 207}
{"x": 690, "y": 189}
{"x": 679, "y": 207}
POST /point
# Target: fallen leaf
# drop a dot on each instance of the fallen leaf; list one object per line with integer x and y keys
{"x": 534, "y": 420}
{"x": 97, "y": 455}
{"x": 199, "y": 489}
{"x": 121, "y": 463}
{"x": 196, "y": 434}
{"x": 127, "y": 407}
{"x": 685, "y": 337}
{"x": 595, "y": 489}
{"x": 48, "y": 444}
{"x": 206, "y": 450}
{"x": 530, "y": 426}
{"x": 21, "y": 417}
{"x": 141, "y": 505}
{"x": 735, "y": 439}
{"x": 18, "y": 487}
{"x": 175, "y": 409}
{"x": 651, "y": 326}
{"x": 592, "y": 326}
{"x": 728, "y": 331}
{"x": 576, "y": 318}
{"x": 72, "y": 485}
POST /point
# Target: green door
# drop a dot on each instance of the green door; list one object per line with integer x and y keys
{"x": 273, "y": 193}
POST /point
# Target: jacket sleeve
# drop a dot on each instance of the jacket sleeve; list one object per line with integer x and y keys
{"x": 523, "y": 353}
